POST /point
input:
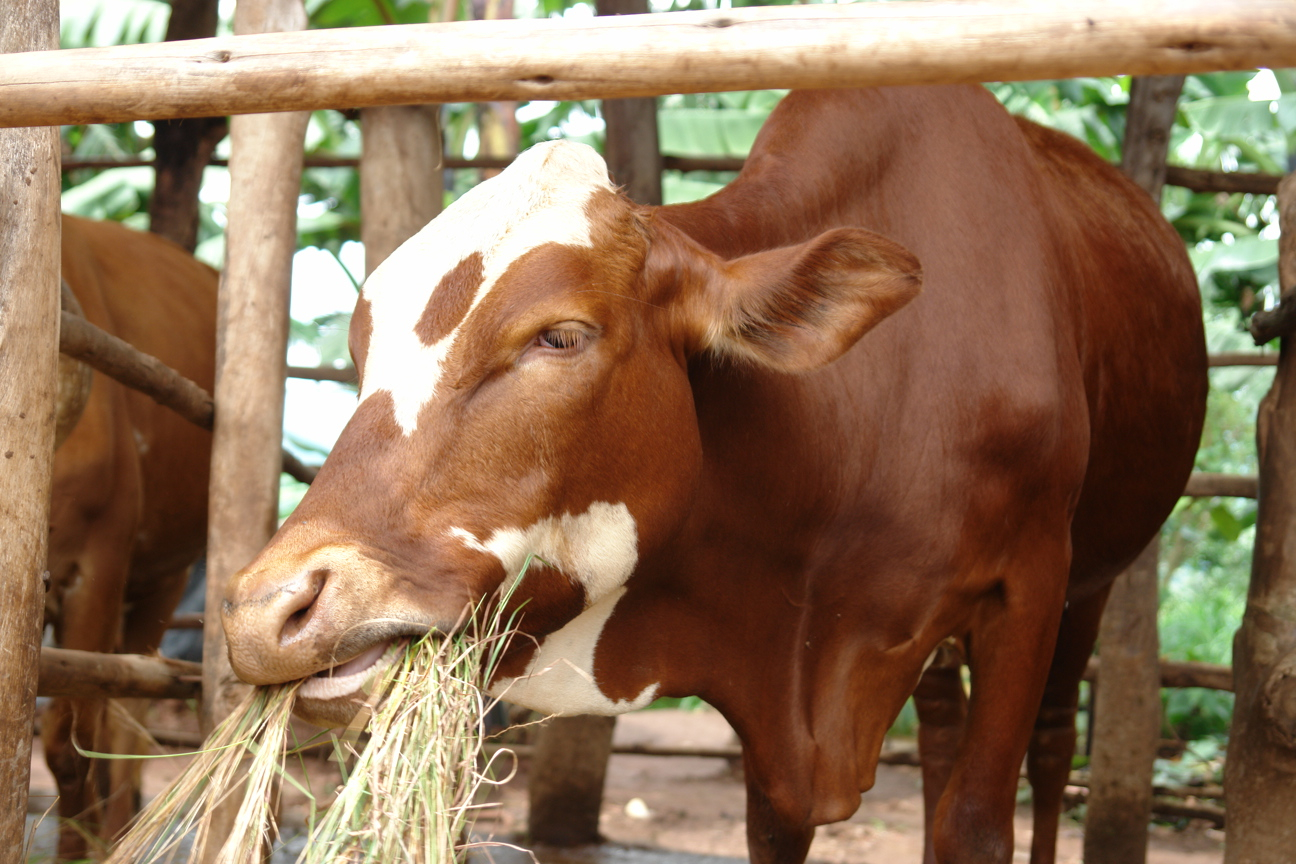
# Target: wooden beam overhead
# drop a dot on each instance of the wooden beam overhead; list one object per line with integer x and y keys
{"x": 920, "y": 42}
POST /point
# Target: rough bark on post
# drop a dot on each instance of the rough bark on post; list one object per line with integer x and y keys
{"x": 183, "y": 147}
{"x": 497, "y": 124}
{"x": 631, "y": 149}
{"x": 400, "y": 177}
{"x": 30, "y": 235}
{"x": 565, "y": 784}
{"x": 1127, "y": 719}
{"x": 1260, "y": 772}
{"x": 1127, "y": 715}
{"x": 252, "y": 339}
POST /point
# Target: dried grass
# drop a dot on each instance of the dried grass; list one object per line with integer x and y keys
{"x": 410, "y": 794}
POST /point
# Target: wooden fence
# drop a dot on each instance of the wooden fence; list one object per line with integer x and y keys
{"x": 263, "y": 71}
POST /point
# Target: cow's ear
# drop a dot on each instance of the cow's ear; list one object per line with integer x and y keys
{"x": 800, "y": 307}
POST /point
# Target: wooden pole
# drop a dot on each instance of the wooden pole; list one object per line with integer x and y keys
{"x": 1189, "y": 178}
{"x": 252, "y": 338}
{"x": 251, "y": 343}
{"x": 69, "y": 674}
{"x": 1260, "y": 773}
{"x": 1127, "y": 719}
{"x": 631, "y": 149}
{"x": 122, "y": 362}
{"x": 565, "y": 784}
{"x": 400, "y": 180}
{"x": 1204, "y": 484}
{"x": 30, "y": 239}
{"x": 183, "y": 147}
{"x": 853, "y": 45}
{"x": 1127, "y": 716}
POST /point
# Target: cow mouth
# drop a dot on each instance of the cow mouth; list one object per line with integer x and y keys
{"x": 349, "y": 678}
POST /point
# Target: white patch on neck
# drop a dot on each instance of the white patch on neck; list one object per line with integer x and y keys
{"x": 539, "y": 199}
{"x": 560, "y": 677}
{"x": 598, "y": 548}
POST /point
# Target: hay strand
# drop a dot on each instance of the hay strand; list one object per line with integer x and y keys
{"x": 410, "y": 795}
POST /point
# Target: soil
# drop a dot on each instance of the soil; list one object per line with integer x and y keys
{"x": 685, "y": 810}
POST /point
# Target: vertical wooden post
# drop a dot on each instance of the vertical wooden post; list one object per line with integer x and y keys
{"x": 30, "y": 240}
{"x": 251, "y": 343}
{"x": 1127, "y": 714}
{"x": 1260, "y": 772}
{"x": 565, "y": 785}
{"x": 1127, "y": 718}
{"x": 401, "y": 185}
{"x": 497, "y": 123}
{"x": 631, "y": 149}
{"x": 183, "y": 147}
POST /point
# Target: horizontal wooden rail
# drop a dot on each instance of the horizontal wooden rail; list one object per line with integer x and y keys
{"x": 1180, "y": 674}
{"x": 119, "y": 360}
{"x": 299, "y": 470}
{"x": 345, "y": 375}
{"x": 1203, "y": 484}
{"x": 186, "y": 621}
{"x": 1222, "y": 181}
{"x": 126, "y": 364}
{"x": 1242, "y": 358}
{"x": 1190, "y": 178}
{"x": 1076, "y": 795}
{"x": 72, "y": 674}
{"x": 309, "y": 161}
{"x": 919, "y": 42}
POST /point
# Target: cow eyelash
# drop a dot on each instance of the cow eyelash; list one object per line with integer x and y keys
{"x": 565, "y": 339}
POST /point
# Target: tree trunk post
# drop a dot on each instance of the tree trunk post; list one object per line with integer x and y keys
{"x": 1127, "y": 719}
{"x": 631, "y": 149}
{"x": 1127, "y": 711}
{"x": 565, "y": 784}
{"x": 400, "y": 177}
{"x": 1260, "y": 772}
{"x": 30, "y": 243}
{"x": 251, "y": 344}
{"x": 183, "y": 147}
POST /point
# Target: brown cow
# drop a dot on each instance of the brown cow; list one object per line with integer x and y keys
{"x": 129, "y": 505}
{"x": 734, "y": 494}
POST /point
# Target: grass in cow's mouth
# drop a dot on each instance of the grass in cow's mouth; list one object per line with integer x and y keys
{"x": 410, "y": 794}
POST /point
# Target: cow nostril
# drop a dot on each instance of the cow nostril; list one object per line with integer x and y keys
{"x": 302, "y": 606}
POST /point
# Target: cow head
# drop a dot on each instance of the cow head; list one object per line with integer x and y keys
{"x": 524, "y": 391}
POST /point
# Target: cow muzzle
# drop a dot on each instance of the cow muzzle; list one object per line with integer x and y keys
{"x": 330, "y": 620}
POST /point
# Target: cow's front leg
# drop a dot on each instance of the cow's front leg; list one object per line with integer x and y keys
{"x": 1010, "y": 648}
{"x": 1048, "y": 763}
{"x": 771, "y": 838}
{"x": 942, "y": 710}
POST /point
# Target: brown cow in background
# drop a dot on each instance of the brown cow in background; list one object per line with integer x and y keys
{"x": 128, "y": 513}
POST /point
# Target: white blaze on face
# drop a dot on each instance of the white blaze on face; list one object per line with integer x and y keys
{"x": 537, "y": 200}
{"x": 560, "y": 677}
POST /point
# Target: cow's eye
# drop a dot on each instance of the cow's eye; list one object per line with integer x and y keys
{"x": 562, "y": 339}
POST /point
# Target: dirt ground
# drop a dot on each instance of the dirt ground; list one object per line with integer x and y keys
{"x": 680, "y": 809}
